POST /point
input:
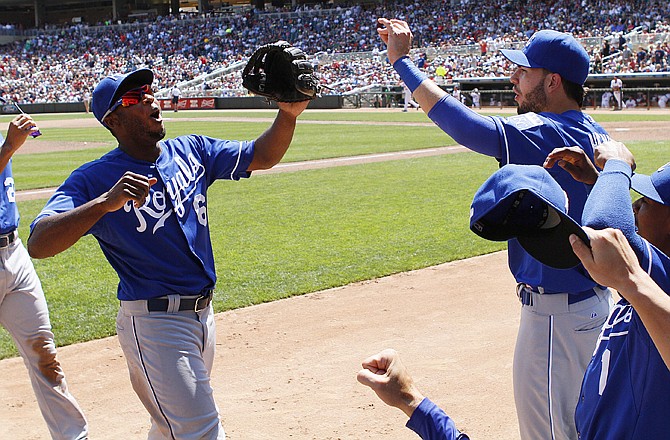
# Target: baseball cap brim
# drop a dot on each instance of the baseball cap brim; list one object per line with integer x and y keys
{"x": 549, "y": 243}
{"x": 551, "y": 246}
{"x": 132, "y": 80}
{"x": 517, "y": 57}
{"x": 642, "y": 184}
{"x": 522, "y": 202}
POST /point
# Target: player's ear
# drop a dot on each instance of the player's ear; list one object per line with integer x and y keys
{"x": 553, "y": 82}
{"x": 111, "y": 122}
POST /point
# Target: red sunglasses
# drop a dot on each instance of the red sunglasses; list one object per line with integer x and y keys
{"x": 131, "y": 97}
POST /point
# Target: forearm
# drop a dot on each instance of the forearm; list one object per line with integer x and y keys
{"x": 609, "y": 203}
{"x": 271, "y": 146}
{"x": 465, "y": 126}
{"x": 425, "y": 91}
{"x": 53, "y": 234}
{"x": 653, "y": 306}
{"x": 6, "y": 153}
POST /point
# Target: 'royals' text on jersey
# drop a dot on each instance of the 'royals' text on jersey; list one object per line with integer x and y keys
{"x": 163, "y": 246}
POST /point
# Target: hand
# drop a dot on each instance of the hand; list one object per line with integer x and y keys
{"x": 388, "y": 377}
{"x": 397, "y": 36}
{"x": 293, "y": 109}
{"x": 130, "y": 186}
{"x": 19, "y": 129}
{"x": 575, "y": 161}
{"x": 609, "y": 260}
{"x": 613, "y": 150}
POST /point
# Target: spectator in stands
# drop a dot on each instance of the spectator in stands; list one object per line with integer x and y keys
{"x": 185, "y": 47}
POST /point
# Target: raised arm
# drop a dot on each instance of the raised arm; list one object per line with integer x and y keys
{"x": 271, "y": 146}
{"x": 55, "y": 233}
{"x": 465, "y": 126}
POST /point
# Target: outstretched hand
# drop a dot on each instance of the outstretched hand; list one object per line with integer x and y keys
{"x": 397, "y": 36}
{"x": 387, "y": 376}
{"x": 575, "y": 161}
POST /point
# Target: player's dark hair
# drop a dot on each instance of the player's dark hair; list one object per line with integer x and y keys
{"x": 574, "y": 91}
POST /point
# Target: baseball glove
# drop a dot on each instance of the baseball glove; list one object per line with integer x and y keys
{"x": 280, "y": 72}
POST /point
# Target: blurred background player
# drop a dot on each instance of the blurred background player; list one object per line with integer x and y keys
{"x": 407, "y": 95}
{"x": 616, "y": 85}
{"x": 176, "y": 94}
{"x": 476, "y": 96}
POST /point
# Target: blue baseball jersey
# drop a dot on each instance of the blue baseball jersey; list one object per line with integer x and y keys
{"x": 527, "y": 140}
{"x": 9, "y": 213}
{"x": 625, "y": 393}
{"x": 162, "y": 247}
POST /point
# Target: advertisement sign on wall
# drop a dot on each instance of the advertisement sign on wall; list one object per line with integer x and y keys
{"x": 188, "y": 104}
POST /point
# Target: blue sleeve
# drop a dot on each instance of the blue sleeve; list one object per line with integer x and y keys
{"x": 223, "y": 159}
{"x": 431, "y": 423}
{"x": 467, "y": 127}
{"x": 609, "y": 205}
{"x": 72, "y": 193}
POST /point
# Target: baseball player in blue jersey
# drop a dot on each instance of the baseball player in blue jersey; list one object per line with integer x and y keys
{"x": 562, "y": 310}
{"x": 146, "y": 204}
{"x": 23, "y": 308}
{"x": 626, "y": 389}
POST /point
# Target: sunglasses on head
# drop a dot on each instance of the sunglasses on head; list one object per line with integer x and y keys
{"x": 131, "y": 97}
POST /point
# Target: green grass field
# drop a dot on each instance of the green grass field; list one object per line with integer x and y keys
{"x": 279, "y": 235}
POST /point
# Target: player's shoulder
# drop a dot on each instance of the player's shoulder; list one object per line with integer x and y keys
{"x": 100, "y": 164}
{"x": 526, "y": 121}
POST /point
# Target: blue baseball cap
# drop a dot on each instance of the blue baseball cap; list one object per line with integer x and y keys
{"x": 111, "y": 88}
{"x": 555, "y": 51}
{"x": 656, "y": 186}
{"x": 525, "y": 203}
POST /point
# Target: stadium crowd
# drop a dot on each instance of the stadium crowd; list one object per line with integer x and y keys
{"x": 61, "y": 65}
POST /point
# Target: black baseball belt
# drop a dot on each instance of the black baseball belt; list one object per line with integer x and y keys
{"x": 8, "y": 238}
{"x": 194, "y": 304}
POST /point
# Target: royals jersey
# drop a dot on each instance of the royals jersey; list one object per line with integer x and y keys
{"x": 162, "y": 247}
{"x": 625, "y": 393}
{"x": 9, "y": 213}
{"x": 527, "y": 140}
